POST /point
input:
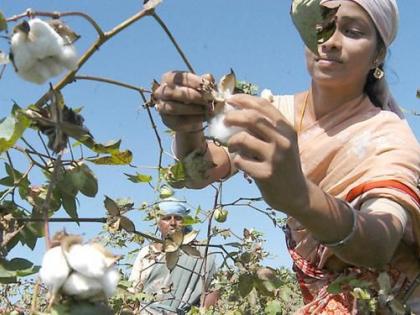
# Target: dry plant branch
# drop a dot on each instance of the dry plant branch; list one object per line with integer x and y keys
{"x": 56, "y": 15}
{"x": 174, "y": 42}
{"x": 113, "y": 82}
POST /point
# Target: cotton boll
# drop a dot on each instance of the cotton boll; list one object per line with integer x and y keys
{"x": 68, "y": 57}
{"x": 87, "y": 260}
{"x": 110, "y": 281}
{"x": 43, "y": 41}
{"x": 39, "y": 52}
{"x": 81, "y": 286}
{"x": 217, "y": 128}
{"x": 54, "y": 270}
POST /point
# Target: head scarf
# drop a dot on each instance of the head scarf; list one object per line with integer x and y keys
{"x": 385, "y": 16}
{"x": 175, "y": 207}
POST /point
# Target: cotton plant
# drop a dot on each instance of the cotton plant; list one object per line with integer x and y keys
{"x": 83, "y": 271}
{"x": 217, "y": 129}
{"x": 41, "y": 50}
{"x": 177, "y": 241}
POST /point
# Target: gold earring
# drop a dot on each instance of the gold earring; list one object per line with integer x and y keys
{"x": 378, "y": 73}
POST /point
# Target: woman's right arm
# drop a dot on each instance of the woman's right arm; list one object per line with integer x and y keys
{"x": 183, "y": 107}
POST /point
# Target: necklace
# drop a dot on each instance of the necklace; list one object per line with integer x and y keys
{"x": 305, "y": 105}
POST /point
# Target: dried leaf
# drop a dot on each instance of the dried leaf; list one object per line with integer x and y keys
{"x": 64, "y": 31}
{"x": 4, "y": 58}
{"x": 188, "y": 238}
{"x": 171, "y": 259}
{"x": 192, "y": 251}
{"x": 170, "y": 246}
{"x": 177, "y": 237}
{"x": 111, "y": 206}
{"x": 127, "y": 224}
{"x": 151, "y": 4}
{"x": 227, "y": 83}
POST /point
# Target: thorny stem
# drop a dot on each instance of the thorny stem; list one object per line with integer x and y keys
{"x": 110, "y": 81}
{"x": 56, "y": 15}
{"x": 172, "y": 38}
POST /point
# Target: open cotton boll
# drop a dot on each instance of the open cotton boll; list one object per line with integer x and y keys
{"x": 54, "y": 270}
{"x": 39, "y": 52}
{"x": 43, "y": 40}
{"x": 87, "y": 260}
{"x": 110, "y": 281}
{"x": 68, "y": 57}
{"x": 217, "y": 128}
{"x": 81, "y": 286}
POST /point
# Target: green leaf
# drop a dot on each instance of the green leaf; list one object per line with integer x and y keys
{"x": 17, "y": 267}
{"x": 246, "y": 284}
{"x": 315, "y": 23}
{"x": 111, "y": 206}
{"x": 139, "y": 178}
{"x": 273, "y": 308}
{"x": 3, "y": 22}
{"x": 119, "y": 158}
{"x": 11, "y": 129}
{"x": 110, "y": 147}
{"x": 84, "y": 180}
{"x": 69, "y": 204}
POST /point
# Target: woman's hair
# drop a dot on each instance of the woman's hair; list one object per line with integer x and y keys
{"x": 373, "y": 86}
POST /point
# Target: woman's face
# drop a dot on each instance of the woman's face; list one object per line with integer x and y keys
{"x": 347, "y": 57}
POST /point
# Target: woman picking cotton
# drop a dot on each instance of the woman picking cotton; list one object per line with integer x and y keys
{"x": 338, "y": 159}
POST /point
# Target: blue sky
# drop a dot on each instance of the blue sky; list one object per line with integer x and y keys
{"x": 255, "y": 38}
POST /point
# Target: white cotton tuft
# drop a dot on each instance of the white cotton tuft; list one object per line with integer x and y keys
{"x": 110, "y": 281}
{"x": 217, "y": 128}
{"x": 41, "y": 53}
{"x": 81, "y": 286}
{"x": 87, "y": 260}
{"x": 54, "y": 270}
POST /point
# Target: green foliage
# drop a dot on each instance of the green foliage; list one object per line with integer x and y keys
{"x": 17, "y": 267}
{"x": 315, "y": 23}
{"x": 11, "y": 129}
{"x": 3, "y": 23}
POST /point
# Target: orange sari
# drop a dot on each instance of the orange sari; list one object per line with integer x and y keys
{"x": 355, "y": 153}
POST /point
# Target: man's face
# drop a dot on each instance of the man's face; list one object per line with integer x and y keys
{"x": 170, "y": 223}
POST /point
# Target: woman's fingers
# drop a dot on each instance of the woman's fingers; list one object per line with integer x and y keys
{"x": 186, "y": 79}
{"x": 248, "y": 146}
{"x": 177, "y": 108}
{"x": 179, "y": 94}
{"x": 187, "y": 123}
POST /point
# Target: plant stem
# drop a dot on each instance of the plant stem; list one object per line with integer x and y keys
{"x": 56, "y": 15}
{"x": 174, "y": 42}
{"x": 110, "y": 81}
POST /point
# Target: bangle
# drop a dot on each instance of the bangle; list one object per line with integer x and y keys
{"x": 346, "y": 239}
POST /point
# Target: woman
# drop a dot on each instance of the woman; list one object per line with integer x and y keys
{"x": 338, "y": 159}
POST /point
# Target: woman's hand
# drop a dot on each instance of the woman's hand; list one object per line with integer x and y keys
{"x": 267, "y": 151}
{"x": 181, "y": 101}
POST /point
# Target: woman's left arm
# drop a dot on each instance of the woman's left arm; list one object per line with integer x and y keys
{"x": 267, "y": 150}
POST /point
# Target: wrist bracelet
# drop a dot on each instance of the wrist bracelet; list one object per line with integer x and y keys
{"x": 349, "y": 236}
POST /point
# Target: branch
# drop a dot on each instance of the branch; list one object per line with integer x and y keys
{"x": 56, "y": 15}
{"x": 91, "y": 50}
{"x": 172, "y": 38}
{"x": 110, "y": 81}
